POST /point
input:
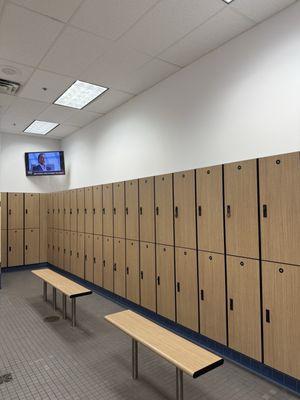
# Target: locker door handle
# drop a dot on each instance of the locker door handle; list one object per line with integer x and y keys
{"x": 94, "y": 211}
{"x": 85, "y": 211}
{"x": 228, "y": 212}
{"x": 9, "y": 211}
{"x": 64, "y": 251}
{"x": 268, "y": 319}
{"x": 199, "y": 211}
{"x": 77, "y": 255}
{"x": 265, "y": 211}
{"x": 103, "y": 211}
{"x": 158, "y": 280}
{"x": 115, "y": 211}
{"x": 70, "y": 211}
{"x": 94, "y": 260}
{"x": 71, "y": 252}
{"x": 126, "y": 210}
{"x": 59, "y": 211}
{"x": 176, "y": 212}
{"x": 142, "y": 275}
{"x": 157, "y": 210}
{"x": 127, "y": 270}
{"x": 141, "y": 210}
{"x": 202, "y": 294}
{"x": 178, "y": 287}
{"x": 26, "y": 211}
{"x": 103, "y": 263}
{"x": 64, "y": 211}
{"x": 231, "y": 304}
{"x": 85, "y": 257}
{"x": 77, "y": 210}
{"x": 115, "y": 267}
{"x": 9, "y": 249}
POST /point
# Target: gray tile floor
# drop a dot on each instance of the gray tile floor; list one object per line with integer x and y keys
{"x": 93, "y": 361}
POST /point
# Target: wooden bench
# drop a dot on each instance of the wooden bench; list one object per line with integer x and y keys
{"x": 185, "y": 355}
{"x": 67, "y": 287}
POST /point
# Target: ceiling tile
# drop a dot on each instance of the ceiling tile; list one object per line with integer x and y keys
{"x": 5, "y": 101}
{"x": 168, "y": 22}
{"x": 259, "y": 10}
{"x": 108, "y": 101}
{"x": 81, "y": 118}
{"x": 62, "y": 130}
{"x": 58, "y": 9}
{"x": 12, "y": 71}
{"x": 55, "y": 84}
{"x": 110, "y": 18}
{"x": 56, "y": 113}
{"x": 26, "y": 36}
{"x": 219, "y": 29}
{"x": 74, "y": 51}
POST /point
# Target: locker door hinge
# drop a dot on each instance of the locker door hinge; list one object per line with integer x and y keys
{"x": 228, "y": 211}
{"x": 231, "y": 304}
{"x": 202, "y": 294}
{"x": 268, "y": 319}
{"x": 178, "y": 287}
{"x": 265, "y": 211}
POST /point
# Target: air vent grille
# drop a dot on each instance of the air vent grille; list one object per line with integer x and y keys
{"x": 8, "y": 87}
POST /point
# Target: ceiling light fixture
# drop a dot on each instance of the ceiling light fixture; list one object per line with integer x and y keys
{"x": 228, "y": 1}
{"x": 80, "y": 94}
{"x": 40, "y": 127}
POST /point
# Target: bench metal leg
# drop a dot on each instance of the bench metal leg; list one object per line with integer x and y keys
{"x": 54, "y": 298}
{"x": 74, "y": 311}
{"x": 134, "y": 359}
{"x": 179, "y": 384}
{"x": 45, "y": 291}
{"x": 64, "y": 306}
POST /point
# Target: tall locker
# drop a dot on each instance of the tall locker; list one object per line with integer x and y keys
{"x": 279, "y": 178}
{"x": 98, "y": 270}
{"x": 3, "y": 229}
{"x": 15, "y": 211}
{"x": 55, "y": 245}
{"x": 73, "y": 210}
{"x": 61, "y": 249}
{"x": 67, "y": 210}
{"x": 210, "y": 224}
{"x": 281, "y": 305}
{"x": 32, "y": 210}
{"x": 241, "y": 211}
{"x": 165, "y": 270}
{"x": 15, "y": 243}
{"x": 73, "y": 252}
{"x": 119, "y": 209}
{"x": 60, "y": 212}
{"x": 88, "y": 210}
{"x": 184, "y": 209}
{"x": 3, "y": 247}
{"x": 67, "y": 265}
{"x": 97, "y": 211}
{"x": 132, "y": 271}
{"x": 147, "y": 216}
{"x": 187, "y": 288}
{"x": 164, "y": 223}
{"x": 107, "y": 210}
{"x": 43, "y": 227}
{"x": 80, "y": 255}
{"x": 50, "y": 210}
{"x": 55, "y": 210}
{"x": 80, "y": 210}
{"x": 244, "y": 319}
{"x": 212, "y": 296}
{"x": 119, "y": 267}
{"x": 148, "y": 275}
{"x": 3, "y": 206}
{"x": 50, "y": 245}
{"x": 89, "y": 257}
{"x": 32, "y": 253}
{"x": 131, "y": 209}
{"x": 108, "y": 261}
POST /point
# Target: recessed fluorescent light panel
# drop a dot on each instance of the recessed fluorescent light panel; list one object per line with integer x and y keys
{"x": 80, "y": 94}
{"x": 40, "y": 127}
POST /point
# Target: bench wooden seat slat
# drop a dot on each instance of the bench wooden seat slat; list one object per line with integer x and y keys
{"x": 61, "y": 283}
{"x": 185, "y": 355}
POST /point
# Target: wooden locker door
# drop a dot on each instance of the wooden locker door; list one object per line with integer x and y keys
{"x": 187, "y": 288}
{"x": 43, "y": 226}
{"x": 281, "y": 305}
{"x": 279, "y": 178}
{"x": 73, "y": 252}
{"x": 73, "y": 210}
{"x": 55, "y": 210}
{"x": 119, "y": 209}
{"x": 88, "y": 210}
{"x": 32, "y": 210}
{"x": 131, "y": 209}
{"x": 3, "y": 214}
{"x": 50, "y": 210}
{"x": 61, "y": 249}
{"x": 89, "y": 257}
{"x": 60, "y": 210}
{"x": 98, "y": 261}
{"x": 147, "y": 215}
{"x": 3, "y": 247}
{"x": 165, "y": 270}
{"x": 15, "y": 211}
{"x": 15, "y": 247}
{"x": 132, "y": 271}
{"x": 210, "y": 223}
{"x": 55, "y": 247}
{"x": 80, "y": 210}
{"x": 244, "y": 317}
{"x": 50, "y": 246}
{"x": 67, "y": 265}
{"x": 119, "y": 267}
{"x": 241, "y": 211}
{"x": 184, "y": 209}
{"x": 80, "y": 255}
{"x": 212, "y": 296}
{"x": 164, "y": 221}
{"x": 97, "y": 201}
{"x": 67, "y": 209}
{"x": 148, "y": 276}
{"x": 32, "y": 253}
{"x": 108, "y": 261}
{"x": 107, "y": 210}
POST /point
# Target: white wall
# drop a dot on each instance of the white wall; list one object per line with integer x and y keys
{"x": 238, "y": 102}
{"x": 12, "y": 164}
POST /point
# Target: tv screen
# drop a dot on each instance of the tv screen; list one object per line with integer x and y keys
{"x": 45, "y": 163}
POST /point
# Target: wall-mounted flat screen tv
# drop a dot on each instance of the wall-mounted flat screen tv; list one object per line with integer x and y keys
{"x": 41, "y": 163}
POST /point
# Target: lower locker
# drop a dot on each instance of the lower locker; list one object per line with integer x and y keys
{"x": 98, "y": 272}
{"x": 80, "y": 256}
{"x": 67, "y": 265}
{"x": 244, "y": 317}
{"x": 119, "y": 267}
{"x": 73, "y": 252}
{"x": 61, "y": 249}
{"x": 89, "y": 257}
{"x": 187, "y": 288}
{"x": 108, "y": 260}
{"x": 32, "y": 247}
{"x": 148, "y": 276}
{"x": 212, "y": 296}
{"x": 132, "y": 271}
{"x": 3, "y": 260}
{"x": 165, "y": 281}
{"x": 15, "y": 242}
{"x": 281, "y": 305}
{"x": 50, "y": 246}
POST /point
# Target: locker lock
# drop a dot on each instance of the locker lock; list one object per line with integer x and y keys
{"x": 239, "y": 167}
{"x": 277, "y": 162}
{"x": 281, "y": 270}
{"x": 208, "y": 171}
{"x": 210, "y": 257}
{"x": 242, "y": 263}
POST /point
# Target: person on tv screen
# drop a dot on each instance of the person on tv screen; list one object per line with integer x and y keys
{"x": 41, "y": 166}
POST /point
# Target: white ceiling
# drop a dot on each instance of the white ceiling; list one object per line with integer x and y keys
{"x": 126, "y": 45}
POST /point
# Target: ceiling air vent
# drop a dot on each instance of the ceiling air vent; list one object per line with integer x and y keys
{"x": 8, "y": 87}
